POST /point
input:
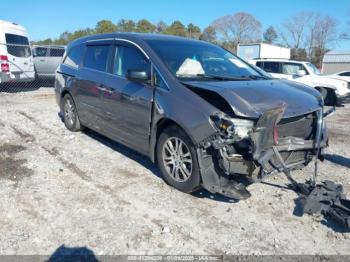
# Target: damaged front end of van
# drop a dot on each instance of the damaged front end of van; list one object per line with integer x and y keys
{"x": 276, "y": 139}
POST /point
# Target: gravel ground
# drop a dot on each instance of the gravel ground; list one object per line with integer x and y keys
{"x": 83, "y": 190}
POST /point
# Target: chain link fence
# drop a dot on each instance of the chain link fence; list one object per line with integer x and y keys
{"x": 25, "y": 67}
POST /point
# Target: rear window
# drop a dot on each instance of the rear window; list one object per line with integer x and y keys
{"x": 16, "y": 39}
{"x": 96, "y": 57}
{"x": 74, "y": 56}
{"x": 18, "y": 45}
{"x": 56, "y": 52}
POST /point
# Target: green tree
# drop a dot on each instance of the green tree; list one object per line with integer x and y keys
{"x": 145, "y": 26}
{"x": 193, "y": 31}
{"x": 105, "y": 26}
{"x": 176, "y": 28}
{"x": 125, "y": 25}
{"x": 47, "y": 41}
{"x": 64, "y": 38}
{"x": 270, "y": 35}
{"x": 209, "y": 34}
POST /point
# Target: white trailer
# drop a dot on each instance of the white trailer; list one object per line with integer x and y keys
{"x": 262, "y": 50}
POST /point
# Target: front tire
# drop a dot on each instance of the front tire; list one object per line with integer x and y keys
{"x": 70, "y": 114}
{"x": 328, "y": 96}
{"x": 177, "y": 160}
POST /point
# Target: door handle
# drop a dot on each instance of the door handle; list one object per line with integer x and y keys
{"x": 105, "y": 89}
{"x": 42, "y": 60}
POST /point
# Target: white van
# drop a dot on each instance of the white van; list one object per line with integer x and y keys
{"x": 16, "y": 58}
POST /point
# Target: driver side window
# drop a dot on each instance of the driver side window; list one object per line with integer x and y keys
{"x": 127, "y": 58}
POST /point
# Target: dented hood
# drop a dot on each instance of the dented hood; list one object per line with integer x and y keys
{"x": 252, "y": 98}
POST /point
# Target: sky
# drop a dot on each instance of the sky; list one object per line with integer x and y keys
{"x": 47, "y": 18}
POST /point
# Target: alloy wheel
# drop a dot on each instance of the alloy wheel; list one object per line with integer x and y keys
{"x": 177, "y": 159}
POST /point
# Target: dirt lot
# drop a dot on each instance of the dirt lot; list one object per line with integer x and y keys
{"x": 83, "y": 190}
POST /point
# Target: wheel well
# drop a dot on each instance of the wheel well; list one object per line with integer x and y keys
{"x": 161, "y": 126}
{"x": 165, "y": 123}
{"x": 63, "y": 94}
{"x": 331, "y": 96}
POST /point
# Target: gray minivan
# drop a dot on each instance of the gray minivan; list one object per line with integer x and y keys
{"x": 47, "y": 59}
{"x": 205, "y": 116}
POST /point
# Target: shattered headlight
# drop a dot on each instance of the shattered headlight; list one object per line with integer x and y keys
{"x": 233, "y": 127}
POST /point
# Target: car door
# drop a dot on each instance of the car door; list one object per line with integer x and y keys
{"x": 39, "y": 57}
{"x": 54, "y": 59}
{"x": 90, "y": 82}
{"x": 128, "y": 104}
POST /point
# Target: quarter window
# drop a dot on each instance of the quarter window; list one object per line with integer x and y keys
{"x": 158, "y": 80}
{"x": 127, "y": 58}
{"x": 96, "y": 57}
{"x": 260, "y": 64}
{"x": 74, "y": 56}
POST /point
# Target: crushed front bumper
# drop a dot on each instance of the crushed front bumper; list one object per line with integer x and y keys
{"x": 277, "y": 154}
{"x": 267, "y": 154}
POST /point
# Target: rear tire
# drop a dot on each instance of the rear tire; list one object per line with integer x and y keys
{"x": 177, "y": 160}
{"x": 70, "y": 114}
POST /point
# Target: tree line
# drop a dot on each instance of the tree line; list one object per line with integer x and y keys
{"x": 309, "y": 34}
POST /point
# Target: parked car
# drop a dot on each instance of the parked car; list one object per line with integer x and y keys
{"x": 344, "y": 75}
{"x": 47, "y": 59}
{"x": 16, "y": 59}
{"x": 334, "y": 91}
{"x": 201, "y": 113}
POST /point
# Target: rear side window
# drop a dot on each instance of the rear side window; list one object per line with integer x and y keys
{"x": 127, "y": 58}
{"x": 291, "y": 68}
{"x": 18, "y": 45}
{"x": 272, "y": 67}
{"x": 96, "y": 57}
{"x": 345, "y": 74}
{"x": 56, "y": 52}
{"x": 40, "y": 51}
{"x": 74, "y": 56}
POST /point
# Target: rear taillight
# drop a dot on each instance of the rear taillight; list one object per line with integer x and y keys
{"x": 5, "y": 67}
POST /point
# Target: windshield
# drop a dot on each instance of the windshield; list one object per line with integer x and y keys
{"x": 196, "y": 59}
{"x": 313, "y": 68}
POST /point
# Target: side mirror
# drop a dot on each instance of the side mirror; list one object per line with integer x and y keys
{"x": 301, "y": 73}
{"x": 138, "y": 75}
